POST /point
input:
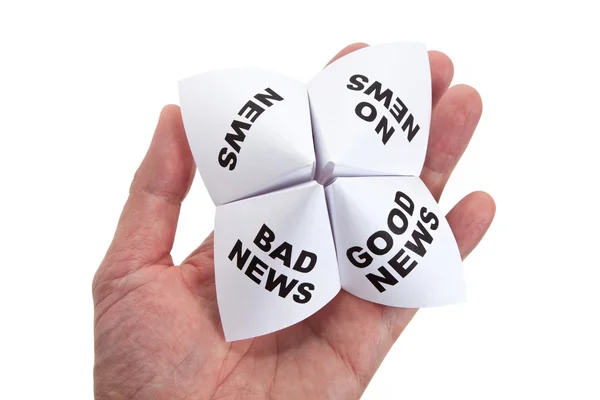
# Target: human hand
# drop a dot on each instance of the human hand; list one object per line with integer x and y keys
{"x": 157, "y": 330}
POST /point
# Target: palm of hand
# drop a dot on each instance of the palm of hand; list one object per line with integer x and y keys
{"x": 157, "y": 329}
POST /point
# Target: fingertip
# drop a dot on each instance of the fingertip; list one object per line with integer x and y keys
{"x": 170, "y": 115}
{"x": 486, "y": 201}
{"x": 355, "y": 46}
{"x": 347, "y": 50}
{"x": 485, "y": 205}
{"x": 470, "y": 219}
{"x": 170, "y": 109}
{"x": 472, "y": 99}
{"x": 443, "y": 62}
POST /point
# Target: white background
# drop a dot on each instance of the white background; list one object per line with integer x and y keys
{"x": 81, "y": 86}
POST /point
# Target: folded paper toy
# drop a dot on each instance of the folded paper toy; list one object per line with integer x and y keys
{"x": 317, "y": 188}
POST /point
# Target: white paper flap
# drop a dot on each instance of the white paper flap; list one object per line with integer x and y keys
{"x": 284, "y": 245}
{"x": 394, "y": 245}
{"x": 371, "y": 111}
{"x": 275, "y": 261}
{"x": 249, "y": 131}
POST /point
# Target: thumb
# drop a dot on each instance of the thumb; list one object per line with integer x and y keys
{"x": 146, "y": 228}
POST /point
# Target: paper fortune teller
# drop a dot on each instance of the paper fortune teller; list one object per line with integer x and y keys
{"x": 317, "y": 188}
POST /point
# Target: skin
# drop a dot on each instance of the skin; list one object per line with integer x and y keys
{"x": 157, "y": 331}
